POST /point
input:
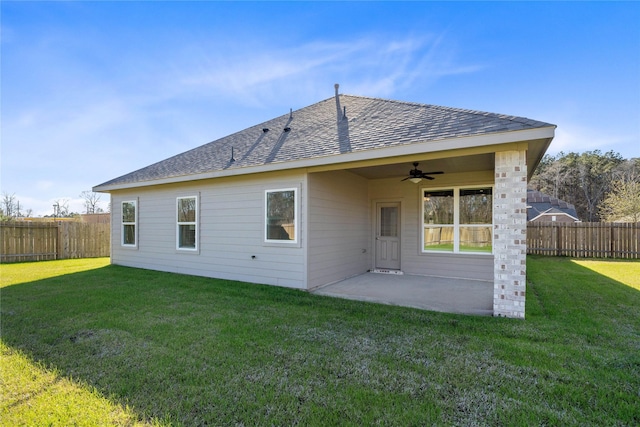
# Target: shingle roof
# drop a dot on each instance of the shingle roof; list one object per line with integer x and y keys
{"x": 320, "y": 130}
{"x": 539, "y": 203}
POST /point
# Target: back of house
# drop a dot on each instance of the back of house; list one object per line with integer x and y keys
{"x": 347, "y": 185}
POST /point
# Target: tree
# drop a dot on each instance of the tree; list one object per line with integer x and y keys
{"x": 61, "y": 208}
{"x": 550, "y": 175}
{"x": 595, "y": 176}
{"x": 580, "y": 179}
{"x": 629, "y": 170}
{"x": 9, "y": 206}
{"x": 91, "y": 200}
{"x": 622, "y": 204}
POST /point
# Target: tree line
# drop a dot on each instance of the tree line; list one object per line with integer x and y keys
{"x": 11, "y": 208}
{"x": 602, "y": 186}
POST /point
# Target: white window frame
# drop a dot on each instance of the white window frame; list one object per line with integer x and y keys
{"x": 296, "y": 217}
{"x": 452, "y": 226}
{"x": 456, "y": 220}
{"x": 134, "y": 223}
{"x": 196, "y": 223}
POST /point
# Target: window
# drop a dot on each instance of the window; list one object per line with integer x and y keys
{"x": 281, "y": 212}
{"x": 129, "y": 221}
{"x": 389, "y": 221}
{"x": 476, "y": 219}
{"x": 458, "y": 220}
{"x": 438, "y": 220}
{"x": 187, "y": 223}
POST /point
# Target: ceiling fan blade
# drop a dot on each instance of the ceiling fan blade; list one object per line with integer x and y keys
{"x": 417, "y": 173}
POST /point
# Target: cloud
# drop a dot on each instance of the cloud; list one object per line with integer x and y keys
{"x": 257, "y": 75}
{"x": 572, "y": 137}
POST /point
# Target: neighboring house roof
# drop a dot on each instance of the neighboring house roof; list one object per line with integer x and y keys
{"x": 338, "y": 126}
{"x": 540, "y": 204}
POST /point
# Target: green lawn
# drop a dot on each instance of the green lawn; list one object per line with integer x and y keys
{"x": 448, "y": 247}
{"x": 86, "y": 343}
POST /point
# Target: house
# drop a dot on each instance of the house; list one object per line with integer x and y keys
{"x": 322, "y": 193}
{"x": 544, "y": 208}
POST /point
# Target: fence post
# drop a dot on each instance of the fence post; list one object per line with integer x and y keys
{"x": 612, "y": 249}
{"x": 58, "y": 241}
{"x": 63, "y": 240}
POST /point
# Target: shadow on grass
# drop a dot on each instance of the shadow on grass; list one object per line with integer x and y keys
{"x": 33, "y": 395}
{"x": 194, "y": 351}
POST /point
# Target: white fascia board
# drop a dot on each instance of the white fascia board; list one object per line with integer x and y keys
{"x": 543, "y": 214}
{"x": 374, "y": 153}
{"x": 536, "y": 217}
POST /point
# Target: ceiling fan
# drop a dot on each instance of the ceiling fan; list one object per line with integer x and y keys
{"x": 416, "y": 175}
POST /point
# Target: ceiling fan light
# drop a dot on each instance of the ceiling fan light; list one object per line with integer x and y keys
{"x": 415, "y": 180}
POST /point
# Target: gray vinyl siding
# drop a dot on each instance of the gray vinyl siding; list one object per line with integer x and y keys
{"x": 231, "y": 231}
{"x": 338, "y": 227}
{"x": 413, "y": 260}
{"x": 335, "y": 238}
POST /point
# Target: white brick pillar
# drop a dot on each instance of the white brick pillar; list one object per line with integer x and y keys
{"x": 510, "y": 233}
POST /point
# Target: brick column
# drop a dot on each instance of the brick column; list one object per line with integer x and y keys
{"x": 510, "y": 234}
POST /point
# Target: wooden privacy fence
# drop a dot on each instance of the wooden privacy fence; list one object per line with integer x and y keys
{"x": 39, "y": 241}
{"x": 584, "y": 239}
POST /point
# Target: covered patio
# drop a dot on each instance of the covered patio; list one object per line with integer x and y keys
{"x": 450, "y": 295}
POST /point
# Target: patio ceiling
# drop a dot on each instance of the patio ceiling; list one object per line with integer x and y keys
{"x": 449, "y": 165}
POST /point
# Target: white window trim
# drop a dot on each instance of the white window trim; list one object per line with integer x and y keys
{"x": 196, "y": 223}
{"x": 456, "y": 220}
{"x": 296, "y": 219}
{"x": 134, "y": 223}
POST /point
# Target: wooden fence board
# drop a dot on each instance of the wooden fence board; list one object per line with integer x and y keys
{"x": 584, "y": 239}
{"x": 39, "y": 241}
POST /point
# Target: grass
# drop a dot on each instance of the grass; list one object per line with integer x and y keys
{"x": 86, "y": 343}
{"x": 448, "y": 247}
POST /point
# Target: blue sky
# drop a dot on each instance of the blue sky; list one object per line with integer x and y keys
{"x": 93, "y": 90}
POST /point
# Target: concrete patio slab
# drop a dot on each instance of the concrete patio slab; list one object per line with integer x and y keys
{"x": 424, "y": 292}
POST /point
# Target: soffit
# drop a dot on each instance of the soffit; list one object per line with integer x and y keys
{"x": 450, "y": 165}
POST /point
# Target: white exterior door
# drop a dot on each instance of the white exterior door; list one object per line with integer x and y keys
{"x": 388, "y": 236}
